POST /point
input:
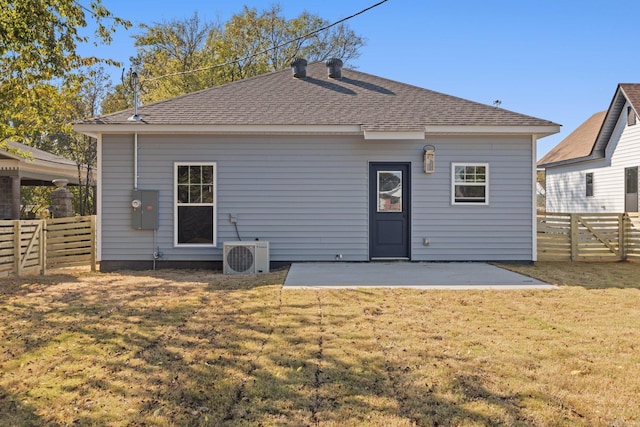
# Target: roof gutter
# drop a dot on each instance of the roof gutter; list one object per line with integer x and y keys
{"x": 596, "y": 155}
{"x": 538, "y": 131}
{"x": 94, "y": 130}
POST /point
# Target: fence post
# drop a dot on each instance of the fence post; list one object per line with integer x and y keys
{"x": 43, "y": 247}
{"x": 573, "y": 236}
{"x": 16, "y": 247}
{"x": 622, "y": 232}
{"x": 93, "y": 243}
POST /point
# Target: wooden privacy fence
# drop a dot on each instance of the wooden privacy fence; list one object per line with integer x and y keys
{"x": 28, "y": 246}
{"x": 588, "y": 237}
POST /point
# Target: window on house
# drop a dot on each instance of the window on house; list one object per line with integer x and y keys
{"x": 195, "y": 210}
{"x": 631, "y": 116}
{"x": 470, "y": 183}
{"x": 589, "y": 184}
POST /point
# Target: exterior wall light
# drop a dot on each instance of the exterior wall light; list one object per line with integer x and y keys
{"x": 429, "y": 158}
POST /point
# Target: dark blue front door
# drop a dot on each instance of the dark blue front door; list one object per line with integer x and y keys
{"x": 389, "y": 207}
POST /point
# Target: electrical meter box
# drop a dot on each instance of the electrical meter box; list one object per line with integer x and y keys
{"x": 145, "y": 209}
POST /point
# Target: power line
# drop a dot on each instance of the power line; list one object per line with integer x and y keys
{"x": 312, "y": 33}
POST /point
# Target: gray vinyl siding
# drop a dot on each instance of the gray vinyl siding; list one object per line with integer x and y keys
{"x": 308, "y": 196}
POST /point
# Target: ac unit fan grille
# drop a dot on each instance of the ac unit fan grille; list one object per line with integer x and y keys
{"x": 240, "y": 259}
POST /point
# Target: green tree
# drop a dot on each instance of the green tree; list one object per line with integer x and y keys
{"x": 177, "y": 46}
{"x": 80, "y": 148}
{"x": 40, "y": 69}
{"x": 249, "y": 44}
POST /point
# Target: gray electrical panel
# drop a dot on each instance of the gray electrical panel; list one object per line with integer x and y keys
{"x": 145, "y": 209}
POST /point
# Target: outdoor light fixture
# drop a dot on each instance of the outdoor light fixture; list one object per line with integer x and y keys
{"x": 429, "y": 158}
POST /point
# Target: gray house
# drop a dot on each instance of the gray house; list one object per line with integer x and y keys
{"x": 323, "y": 163}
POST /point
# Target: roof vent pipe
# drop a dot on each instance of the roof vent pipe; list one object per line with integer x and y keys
{"x": 334, "y": 68}
{"x": 299, "y": 68}
{"x": 135, "y": 88}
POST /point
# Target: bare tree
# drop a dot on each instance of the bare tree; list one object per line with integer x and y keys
{"x": 182, "y": 56}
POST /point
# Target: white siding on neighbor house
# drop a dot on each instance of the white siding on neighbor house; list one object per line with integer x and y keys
{"x": 566, "y": 185}
{"x": 308, "y": 196}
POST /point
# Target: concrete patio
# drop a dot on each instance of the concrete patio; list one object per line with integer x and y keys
{"x": 422, "y": 275}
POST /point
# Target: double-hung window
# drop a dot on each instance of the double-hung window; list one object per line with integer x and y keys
{"x": 470, "y": 184}
{"x": 195, "y": 207}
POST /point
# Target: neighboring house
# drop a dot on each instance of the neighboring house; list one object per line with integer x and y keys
{"x": 595, "y": 168}
{"x": 323, "y": 163}
{"x": 28, "y": 166}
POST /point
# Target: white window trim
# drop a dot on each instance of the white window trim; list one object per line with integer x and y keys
{"x": 175, "y": 205}
{"x": 632, "y": 118}
{"x": 485, "y": 185}
{"x": 586, "y": 185}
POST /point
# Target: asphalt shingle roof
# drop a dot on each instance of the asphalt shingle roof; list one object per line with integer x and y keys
{"x": 596, "y": 131}
{"x": 632, "y": 93}
{"x": 578, "y": 143}
{"x": 35, "y": 155}
{"x": 374, "y": 103}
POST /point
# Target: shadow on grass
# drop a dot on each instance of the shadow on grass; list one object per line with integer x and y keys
{"x": 153, "y": 350}
{"x": 12, "y": 285}
{"x": 15, "y": 413}
{"x": 217, "y": 279}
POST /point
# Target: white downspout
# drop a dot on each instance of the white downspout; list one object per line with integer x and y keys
{"x": 534, "y": 178}
{"x": 135, "y": 161}
{"x": 99, "y": 199}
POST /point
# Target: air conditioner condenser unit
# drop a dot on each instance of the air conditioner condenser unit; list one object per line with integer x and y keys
{"x": 246, "y": 257}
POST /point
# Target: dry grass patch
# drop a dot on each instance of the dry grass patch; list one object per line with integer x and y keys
{"x": 591, "y": 275}
{"x": 199, "y": 348}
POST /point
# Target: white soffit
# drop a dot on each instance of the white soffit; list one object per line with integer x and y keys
{"x": 143, "y": 128}
{"x": 393, "y": 135}
{"x": 495, "y": 130}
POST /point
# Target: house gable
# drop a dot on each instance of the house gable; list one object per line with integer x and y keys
{"x": 586, "y": 172}
{"x": 590, "y": 140}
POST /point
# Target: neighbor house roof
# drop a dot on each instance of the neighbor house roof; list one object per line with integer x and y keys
{"x": 590, "y": 139}
{"x": 36, "y": 166}
{"x": 632, "y": 93}
{"x": 578, "y": 144}
{"x": 359, "y": 102}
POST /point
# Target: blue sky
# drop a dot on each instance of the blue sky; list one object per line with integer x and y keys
{"x": 559, "y": 60}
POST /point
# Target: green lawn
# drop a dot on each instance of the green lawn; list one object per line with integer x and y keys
{"x": 194, "y": 348}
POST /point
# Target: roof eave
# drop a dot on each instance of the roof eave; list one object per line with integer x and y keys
{"x": 94, "y": 130}
{"x": 409, "y": 135}
{"x": 596, "y": 155}
{"x": 538, "y": 131}
{"x": 39, "y": 171}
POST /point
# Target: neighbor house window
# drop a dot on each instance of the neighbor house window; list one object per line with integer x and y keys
{"x": 195, "y": 209}
{"x": 470, "y": 184}
{"x": 631, "y": 116}
{"x": 589, "y": 184}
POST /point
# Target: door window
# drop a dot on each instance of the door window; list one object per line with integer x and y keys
{"x": 389, "y": 191}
